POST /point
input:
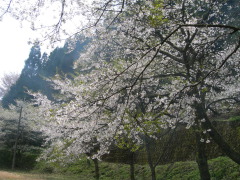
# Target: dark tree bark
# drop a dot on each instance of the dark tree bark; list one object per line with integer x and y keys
{"x": 162, "y": 156}
{"x": 97, "y": 175}
{"x": 16, "y": 140}
{"x": 132, "y": 175}
{"x": 218, "y": 139}
{"x": 149, "y": 157}
{"x": 201, "y": 145}
{"x": 202, "y": 158}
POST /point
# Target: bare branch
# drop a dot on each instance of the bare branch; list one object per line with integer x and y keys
{"x": 235, "y": 29}
{"x": 220, "y": 100}
{"x": 6, "y": 11}
{"x": 103, "y": 11}
{"x": 123, "y": 2}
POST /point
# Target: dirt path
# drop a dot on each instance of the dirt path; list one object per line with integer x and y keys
{"x": 4, "y": 175}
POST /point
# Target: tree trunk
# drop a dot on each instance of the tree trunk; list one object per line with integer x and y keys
{"x": 97, "y": 175}
{"x": 132, "y": 177}
{"x": 16, "y": 140}
{"x": 202, "y": 158}
{"x": 149, "y": 157}
{"x": 153, "y": 172}
{"x": 201, "y": 146}
{"x": 235, "y": 156}
{"x": 218, "y": 139}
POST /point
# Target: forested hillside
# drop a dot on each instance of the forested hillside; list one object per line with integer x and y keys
{"x": 39, "y": 69}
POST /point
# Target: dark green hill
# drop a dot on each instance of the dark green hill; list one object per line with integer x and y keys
{"x": 38, "y": 68}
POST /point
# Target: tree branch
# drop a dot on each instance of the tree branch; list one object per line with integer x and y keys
{"x": 6, "y": 11}
{"x": 235, "y": 29}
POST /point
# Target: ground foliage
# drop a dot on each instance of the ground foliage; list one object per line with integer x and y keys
{"x": 220, "y": 168}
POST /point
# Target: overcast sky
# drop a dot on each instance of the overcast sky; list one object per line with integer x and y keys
{"x": 14, "y": 48}
{"x": 14, "y": 38}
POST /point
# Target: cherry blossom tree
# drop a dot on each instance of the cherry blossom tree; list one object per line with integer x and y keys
{"x": 150, "y": 65}
{"x": 157, "y": 64}
{"x": 6, "y": 82}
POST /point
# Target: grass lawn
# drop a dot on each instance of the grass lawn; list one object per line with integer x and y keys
{"x": 221, "y": 168}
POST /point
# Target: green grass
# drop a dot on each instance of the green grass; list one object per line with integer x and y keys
{"x": 234, "y": 118}
{"x": 221, "y": 168}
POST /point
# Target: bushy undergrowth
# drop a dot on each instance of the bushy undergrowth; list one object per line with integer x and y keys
{"x": 221, "y": 168}
{"x": 24, "y": 160}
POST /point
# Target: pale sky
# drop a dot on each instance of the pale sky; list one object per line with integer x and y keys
{"x": 14, "y": 48}
{"x": 14, "y": 38}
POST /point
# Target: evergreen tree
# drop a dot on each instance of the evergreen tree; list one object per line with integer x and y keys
{"x": 61, "y": 61}
{"x": 29, "y": 78}
{"x": 38, "y": 68}
{"x": 33, "y": 63}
